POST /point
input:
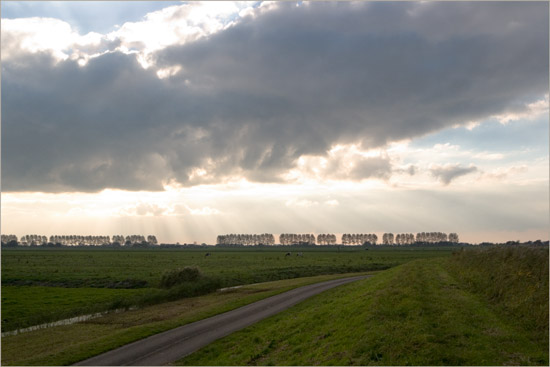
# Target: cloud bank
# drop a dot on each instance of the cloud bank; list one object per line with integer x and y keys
{"x": 260, "y": 92}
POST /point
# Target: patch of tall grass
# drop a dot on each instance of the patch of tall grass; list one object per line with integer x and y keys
{"x": 173, "y": 277}
{"x": 198, "y": 287}
{"x": 513, "y": 278}
{"x": 174, "y": 284}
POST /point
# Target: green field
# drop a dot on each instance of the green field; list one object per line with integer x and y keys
{"x": 64, "y": 345}
{"x": 476, "y": 308}
{"x": 44, "y": 285}
{"x": 93, "y": 267}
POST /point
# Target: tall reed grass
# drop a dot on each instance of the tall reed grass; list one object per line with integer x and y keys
{"x": 513, "y": 279}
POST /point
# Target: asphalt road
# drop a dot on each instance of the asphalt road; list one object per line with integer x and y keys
{"x": 174, "y": 344}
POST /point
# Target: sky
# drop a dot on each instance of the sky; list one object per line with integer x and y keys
{"x": 190, "y": 120}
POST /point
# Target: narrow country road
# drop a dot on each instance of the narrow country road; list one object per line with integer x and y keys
{"x": 174, "y": 344}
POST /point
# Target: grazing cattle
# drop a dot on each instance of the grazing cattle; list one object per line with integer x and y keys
{"x": 207, "y": 254}
{"x": 299, "y": 254}
{"x": 288, "y": 254}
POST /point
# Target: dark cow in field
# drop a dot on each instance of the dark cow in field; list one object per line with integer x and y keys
{"x": 288, "y": 254}
{"x": 207, "y": 254}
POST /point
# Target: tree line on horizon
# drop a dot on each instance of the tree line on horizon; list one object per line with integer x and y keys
{"x": 242, "y": 239}
{"x": 388, "y": 239}
{"x": 246, "y": 239}
{"x": 422, "y": 237}
{"x": 78, "y": 240}
{"x": 330, "y": 239}
{"x": 269, "y": 239}
{"x": 359, "y": 239}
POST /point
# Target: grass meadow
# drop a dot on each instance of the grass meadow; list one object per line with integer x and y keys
{"x": 44, "y": 285}
{"x": 487, "y": 307}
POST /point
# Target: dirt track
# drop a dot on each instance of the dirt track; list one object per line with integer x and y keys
{"x": 174, "y": 344}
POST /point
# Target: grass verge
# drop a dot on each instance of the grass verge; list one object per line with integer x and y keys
{"x": 414, "y": 314}
{"x": 65, "y": 345}
{"x": 513, "y": 279}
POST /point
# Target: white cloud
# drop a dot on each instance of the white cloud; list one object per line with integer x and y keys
{"x": 489, "y": 156}
{"x": 169, "y": 71}
{"x": 204, "y": 211}
{"x": 301, "y": 203}
{"x": 42, "y": 34}
{"x": 440, "y": 153}
{"x": 501, "y": 173}
{"x": 342, "y": 162}
{"x": 147, "y": 209}
{"x": 310, "y": 203}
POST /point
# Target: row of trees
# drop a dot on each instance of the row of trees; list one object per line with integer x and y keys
{"x": 269, "y": 239}
{"x": 296, "y": 239}
{"x": 306, "y": 239}
{"x": 8, "y": 238}
{"x": 423, "y": 237}
{"x": 326, "y": 239}
{"x": 404, "y": 239}
{"x": 399, "y": 239}
{"x": 359, "y": 239}
{"x": 246, "y": 239}
{"x": 135, "y": 239}
{"x": 434, "y": 237}
{"x": 78, "y": 240}
{"x": 330, "y": 239}
{"x": 33, "y": 239}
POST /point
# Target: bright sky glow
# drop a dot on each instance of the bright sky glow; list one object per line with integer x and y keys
{"x": 191, "y": 119}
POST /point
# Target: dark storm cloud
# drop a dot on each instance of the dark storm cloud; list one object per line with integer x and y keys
{"x": 252, "y": 99}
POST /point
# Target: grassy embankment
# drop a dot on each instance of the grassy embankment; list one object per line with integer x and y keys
{"x": 480, "y": 307}
{"x": 63, "y": 345}
{"x": 44, "y": 285}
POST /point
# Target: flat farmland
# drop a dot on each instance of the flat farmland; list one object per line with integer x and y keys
{"x": 43, "y": 285}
